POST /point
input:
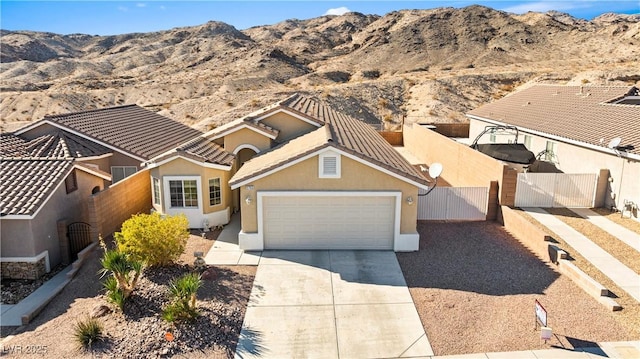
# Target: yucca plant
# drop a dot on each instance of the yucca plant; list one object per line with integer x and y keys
{"x": 183, "y": 294}
{"x": 123, "y": 273}
{"x": 87, "y": 332}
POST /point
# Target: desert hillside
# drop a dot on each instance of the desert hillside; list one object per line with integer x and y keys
{"x": 416, "y": 65}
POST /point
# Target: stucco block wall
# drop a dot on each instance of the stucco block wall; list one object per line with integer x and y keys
{"x": 17, "y": 238}
{"x": 463, "y": 166}
{"x": 288, "y": 126}
{"x": 576, "y": 159}
{"x": 110, "y": 208}
{"x": 246, "y": 136}
{"x": 355, "y": 176}
{"x": 181, "y": 167}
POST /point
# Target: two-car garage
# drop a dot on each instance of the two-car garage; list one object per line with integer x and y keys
{"x": 328, "y": 220}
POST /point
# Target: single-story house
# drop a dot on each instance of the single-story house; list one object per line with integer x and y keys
{"x": 41, "y": 186}
{"x": 50, "y": 168}
{"x": 581, "y": 129}
{"x": 302, "y": 176}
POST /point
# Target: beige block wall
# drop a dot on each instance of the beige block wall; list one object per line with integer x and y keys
{"x": 463, "y": 166}
{"x": 110, "y": 208}
{"x": 181, "y": 167}
{"x": 355, "y": 176}
{"x": 288, "y": 126}
{"x": 576, "y": 159}
{"x": 246, "y": 136}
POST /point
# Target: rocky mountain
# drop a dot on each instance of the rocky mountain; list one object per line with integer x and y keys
{"x": 411, "y": 65}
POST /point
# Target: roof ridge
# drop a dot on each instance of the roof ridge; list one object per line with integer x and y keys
{"x": 89, "y": 111}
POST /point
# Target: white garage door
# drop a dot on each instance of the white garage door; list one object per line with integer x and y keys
{"x": 331, "y": 222}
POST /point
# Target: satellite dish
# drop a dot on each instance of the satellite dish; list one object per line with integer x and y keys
{"x": 614, "y": 142}
{"x": 435, "y": 170}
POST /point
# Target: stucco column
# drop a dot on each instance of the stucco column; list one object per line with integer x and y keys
{"x": 63, "y": 241}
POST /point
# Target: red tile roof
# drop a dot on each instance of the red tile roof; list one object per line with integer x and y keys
{"x": 586, "y": 114}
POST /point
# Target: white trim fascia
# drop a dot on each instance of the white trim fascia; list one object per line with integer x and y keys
{"x": 295, "y": 115}
{"x": 339, "y": 151}
{"x": 561, "y": 139}
{"x": 34, "y": 259}
{"x": 97, "y": 174}
{"x": 396, "y": 194}
{"x": 246, "y": 145}
{"x": 93, "y": 158}
{"x": 27, "y": 128}
{"x": 177, "y": 156}
{"x": 243, "y": 126}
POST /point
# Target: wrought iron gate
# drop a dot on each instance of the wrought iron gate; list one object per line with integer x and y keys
{"x": 79, "y": 234}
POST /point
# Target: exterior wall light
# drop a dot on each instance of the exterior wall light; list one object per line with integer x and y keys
{"x": 249, "y": 187}
{"x": 410, "y": 200}
{"x": 248, "y": 200}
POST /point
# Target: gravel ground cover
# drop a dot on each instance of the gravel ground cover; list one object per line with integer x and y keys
{"x": 617, "y": 248}
{"x": 474, "y": 287}
{"x": 629, "y": 223}
{"x": 14, "y": 290}
{"x": 140, "y": 332}
{"x": 630, "y": 314}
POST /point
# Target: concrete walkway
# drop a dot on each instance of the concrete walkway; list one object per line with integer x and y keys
{"x": 613, "y": 350}
{"x": 627, "y": 236}
{"x": 29, "y": 307}
{"x": 331, "y": 304}
{"x": 623, "y": 276}
{"x": 225, "y": 250}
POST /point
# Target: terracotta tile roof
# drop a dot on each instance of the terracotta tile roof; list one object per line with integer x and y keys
{"x": 341, "y": 131}
{"x": 585, "y": 114}
{"x": 130, "y": 128}
{"x": 26, "y": 183}
{"x": 200, "y": 149}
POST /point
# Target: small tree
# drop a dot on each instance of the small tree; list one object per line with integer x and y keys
{"x": 154, "y": 239}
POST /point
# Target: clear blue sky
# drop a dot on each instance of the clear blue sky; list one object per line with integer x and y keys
{"x": 117, "y": 17}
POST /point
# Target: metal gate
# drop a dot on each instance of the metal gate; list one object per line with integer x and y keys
{"x": 454, "y": 203}
{"x": 79, "y": 234}
{"x": 549, "y": 190}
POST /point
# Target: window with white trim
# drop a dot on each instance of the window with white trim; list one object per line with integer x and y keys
{"x": 329, "y": 163}
{"x": 215, "y": 192}
{"x": 527, "y": 141}
{"x": 156, "y": 191}
{"x": 183, "y": 193}
{"x": 118, "y": 173}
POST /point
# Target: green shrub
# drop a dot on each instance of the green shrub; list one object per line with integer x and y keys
{"x": 183, "y": 294}
{"x": 154, "y": 239}
{"x": 87, "y": 332}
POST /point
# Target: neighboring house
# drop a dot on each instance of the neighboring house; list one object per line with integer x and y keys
{"x": 49, "y": 170}
{"x": 43, "y": 182}
{"x": 572, "y": 127}
{"x": 302, "y": 175}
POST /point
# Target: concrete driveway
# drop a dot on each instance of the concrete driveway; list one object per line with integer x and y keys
{"x": 331, "y": 304}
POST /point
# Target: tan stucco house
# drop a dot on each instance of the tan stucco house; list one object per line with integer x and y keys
{"x": 573, "y": 127}
{"x": 302, "y": 176}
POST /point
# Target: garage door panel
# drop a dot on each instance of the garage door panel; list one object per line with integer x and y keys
{"x": 328, "y": 222}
